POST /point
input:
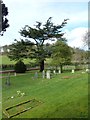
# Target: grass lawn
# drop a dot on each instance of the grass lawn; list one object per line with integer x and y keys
{"x": 5, "y": 60}
{"x": 63, "y": 96}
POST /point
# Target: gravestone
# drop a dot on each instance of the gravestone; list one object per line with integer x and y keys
{"x": 73, "y": 71}
{"x": 36, "y": 75}
{"x": 8, "y": 80}
{"x": 59, "y": 71}
{"x": 87, "y": 70}
{"x": 48, "y": 74}
{"x": 15, "y": 74}
{"x": 54, "y": 71}
{"x": 43, "y": 74}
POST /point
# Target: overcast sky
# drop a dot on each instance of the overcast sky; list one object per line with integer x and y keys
{"x": 27, "y": 12}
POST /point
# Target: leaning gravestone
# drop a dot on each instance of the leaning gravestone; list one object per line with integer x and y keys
{"x": 8, "y": 80}
{"x": 48, "y": 74}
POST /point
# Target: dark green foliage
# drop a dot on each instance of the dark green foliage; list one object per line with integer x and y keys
{"x": 3, "y": 18}
{"x": 20, "y": 67}
{"x": 40, "y": 35}
{"x": 20, "y": 50}
{"x": 61, "y": 54}
{"x": 7, "y": 67}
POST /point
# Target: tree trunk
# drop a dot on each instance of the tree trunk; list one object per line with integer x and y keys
{"x": 41, "y": 65}
{"x": 61, "y": 67}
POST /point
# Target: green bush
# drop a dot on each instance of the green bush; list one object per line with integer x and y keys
{"x": 7, "y": 66}
{"x": 20, "y": 67}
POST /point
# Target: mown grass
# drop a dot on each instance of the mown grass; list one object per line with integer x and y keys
{"x": 4, "y": 59}
{"x": 63, "y": 96}
{"x": 7, "y": 61}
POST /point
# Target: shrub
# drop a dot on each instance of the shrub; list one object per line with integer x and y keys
{"x": 7, "y": 67}
{"x": 20, "y": 67}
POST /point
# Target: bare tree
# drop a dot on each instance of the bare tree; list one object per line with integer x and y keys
{"x": 86, "y": 39}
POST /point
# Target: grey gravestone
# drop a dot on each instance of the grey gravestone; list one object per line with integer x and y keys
{"x": 43, "y": 74}
{"x": 48, "y": 74}
{"x": 36, "y": 75}
{"x": 8, "y": 80}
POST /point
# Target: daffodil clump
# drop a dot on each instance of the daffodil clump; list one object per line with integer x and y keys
{"x": 19, "y": 94}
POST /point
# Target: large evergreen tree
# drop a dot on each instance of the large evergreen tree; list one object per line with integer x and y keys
{"x": 40, "y": 34}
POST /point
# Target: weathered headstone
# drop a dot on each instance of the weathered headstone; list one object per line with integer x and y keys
{"x": 36, "y": 75}
{"x": 73, "y": 71}
{"x": 43, "y": 74}
{"x": 48, "y": 74}
{"x": 15, "y": 74}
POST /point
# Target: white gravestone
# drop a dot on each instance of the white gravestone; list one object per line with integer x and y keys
{"x": 87, "y": 70}
{"x": 15, "y": 74}
{"x": 48, "y": 74}
{"x": 73, "y": 71}
{"x": 59, "y": 71}
{"x": 54, "y": 71}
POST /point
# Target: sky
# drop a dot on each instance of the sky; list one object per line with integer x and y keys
{"x": 27, "y": 12}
